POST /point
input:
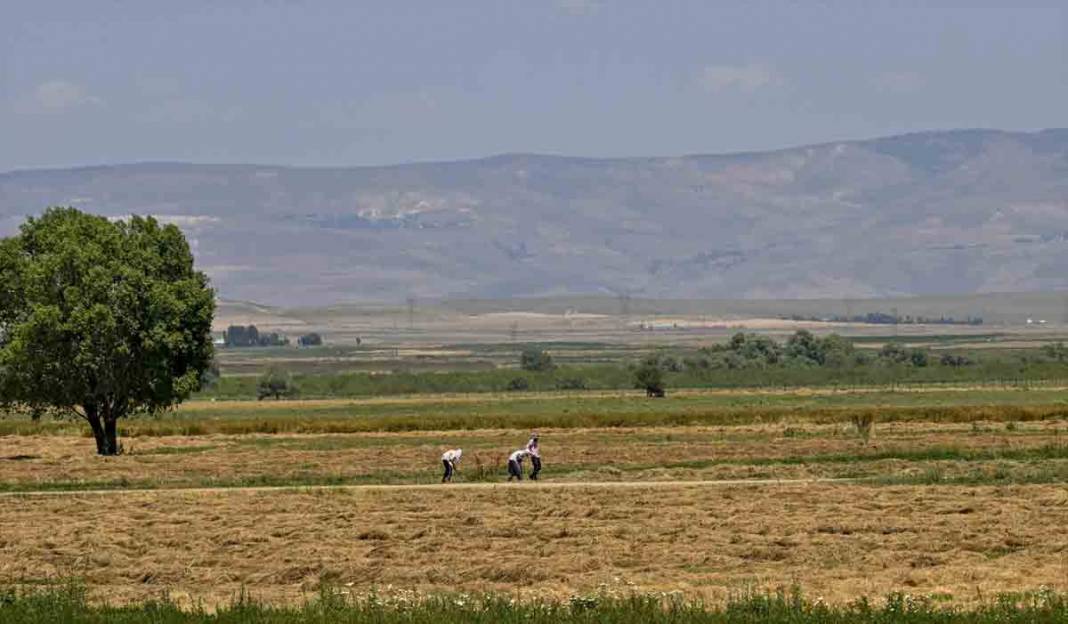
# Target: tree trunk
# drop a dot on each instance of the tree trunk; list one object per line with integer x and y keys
{"x": 92, "y": 414}
{"x": 111, "y": 436}
{"x": 104, "y": 422}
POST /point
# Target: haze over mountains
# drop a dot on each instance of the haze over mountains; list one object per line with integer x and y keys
{"x": 964, "y": 211}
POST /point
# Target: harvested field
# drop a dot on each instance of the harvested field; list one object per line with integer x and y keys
{"x": 837, "y": 541}
{"x": 958, "y": 494}
{"x": 584, "y": 409}
{"x": 789, "y": 451}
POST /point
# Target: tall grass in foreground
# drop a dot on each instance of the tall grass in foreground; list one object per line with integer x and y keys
{"x": 70, "y": 605}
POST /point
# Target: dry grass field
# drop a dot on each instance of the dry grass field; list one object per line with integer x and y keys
{"x": 837, "y": 541}
{"x": 962, "y": 506}
{"x": 783, "y": 451}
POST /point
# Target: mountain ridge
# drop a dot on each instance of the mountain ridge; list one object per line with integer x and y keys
{"x": 507, "y": 155}
{"x": 958, "y": 211}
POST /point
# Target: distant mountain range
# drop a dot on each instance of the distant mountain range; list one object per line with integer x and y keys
{"x": 963, "y": 211}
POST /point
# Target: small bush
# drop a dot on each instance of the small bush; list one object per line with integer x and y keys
{"x": 276, "y": 383}
{"x": 536, "y": 361}
{"x": 518, "y": 384}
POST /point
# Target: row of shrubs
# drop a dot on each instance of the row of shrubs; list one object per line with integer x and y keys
{"x": 805, "y": 350}
{"x": 747, "y": 351}
{"x": 801, "y": 350}
{"x": 747, "y": 360}
{"x": 619, "y": 377}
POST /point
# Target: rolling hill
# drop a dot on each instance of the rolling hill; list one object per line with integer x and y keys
{"x": 949, "y": 212}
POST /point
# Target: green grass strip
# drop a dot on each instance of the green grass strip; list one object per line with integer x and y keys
{"x": 70, "y": 605}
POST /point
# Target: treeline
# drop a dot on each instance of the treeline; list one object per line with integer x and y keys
{"x": 803, "y": 350}
{"x": 250, "y": 336}
{"x": 747, "y": 360}
{"x": 882, "y": 318}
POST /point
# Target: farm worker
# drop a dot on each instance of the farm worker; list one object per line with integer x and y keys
{"x": 515, "y": 464}
{"x": 449, "y": 459}
{"x": 535, "y": 456}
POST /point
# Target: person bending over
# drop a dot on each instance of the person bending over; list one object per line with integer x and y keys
{"x": 515, "y": 464}
{"x": 449, "y": 459}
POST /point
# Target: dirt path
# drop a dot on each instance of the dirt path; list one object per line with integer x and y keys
{"x": 544, "y": 485}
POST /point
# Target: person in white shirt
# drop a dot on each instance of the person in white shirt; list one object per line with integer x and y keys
{"x": 515, "y": 464}
{"x": 535, "y": 456}
{"x": 449, "y": 459}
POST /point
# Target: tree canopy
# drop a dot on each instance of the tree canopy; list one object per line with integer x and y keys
{"x": 101, "y": 319}
{"x": 649, "y": 377}
{"x": 802, "y": 349}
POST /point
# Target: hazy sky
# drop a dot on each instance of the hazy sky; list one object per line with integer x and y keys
{"x": 348, "y": 83}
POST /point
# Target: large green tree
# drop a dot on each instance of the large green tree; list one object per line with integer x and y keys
{"x": 650, "y": 378}
{"x": 101, "y": 319}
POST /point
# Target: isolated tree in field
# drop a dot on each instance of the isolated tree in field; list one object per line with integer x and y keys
{"x": 101, "y": 319}
{"x": 276, "y": 383}
{"x": 649, "y": 377}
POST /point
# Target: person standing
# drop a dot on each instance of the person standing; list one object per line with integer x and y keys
{"x": 535, "y": 456}
{"x": 449, "y": 459}
{"x": 515, "y": 464}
